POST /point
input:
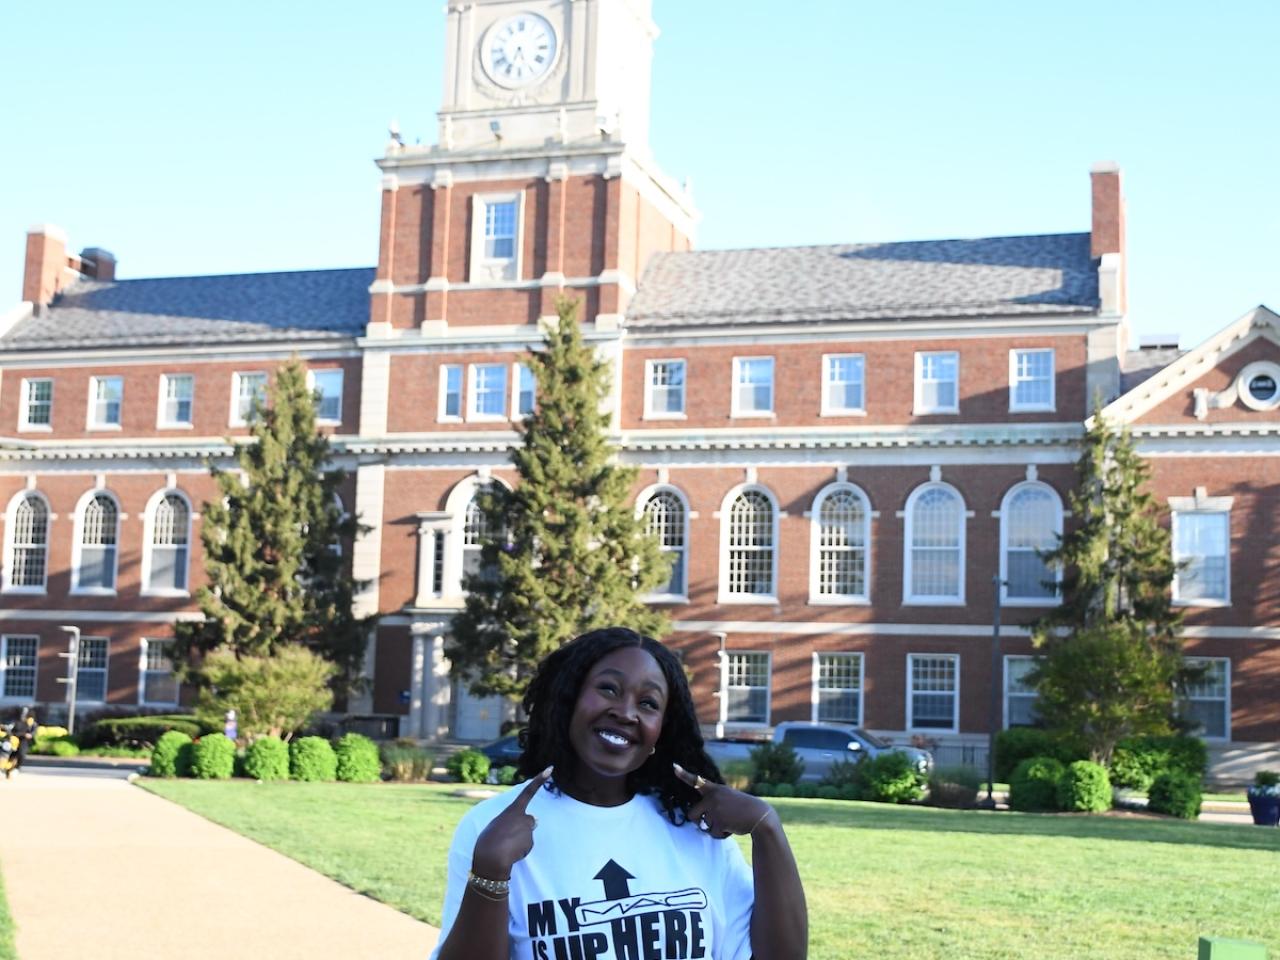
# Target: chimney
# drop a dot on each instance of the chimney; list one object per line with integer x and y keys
{"x": 98, "y": 264}
{"x": 46, "y": 266}
{"x": 1106, "y": 239}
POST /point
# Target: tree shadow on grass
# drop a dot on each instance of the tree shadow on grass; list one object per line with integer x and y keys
{"x": 1123, "y": 829}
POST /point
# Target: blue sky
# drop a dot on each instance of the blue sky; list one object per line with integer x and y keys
{"x": 196, "y": 138}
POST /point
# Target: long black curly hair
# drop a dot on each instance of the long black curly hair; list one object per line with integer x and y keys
{"x": 553, "y": 694}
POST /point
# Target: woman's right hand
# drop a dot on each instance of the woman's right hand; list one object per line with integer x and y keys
{"x": 509, "y": 836}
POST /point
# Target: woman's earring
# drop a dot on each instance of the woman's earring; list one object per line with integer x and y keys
{"x": 652, "y": 751}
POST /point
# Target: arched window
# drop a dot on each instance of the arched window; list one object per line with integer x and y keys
{"x": 934, "y": 564}
{"x": 1030, "y": 521}
{"x": 750, "y": 554}
{"x": 475, "y": 531}
{"x": 169, "y": 545}
{"x": 27, "y": 563}
{"x": 839, "y": 560}
{"x": 95, "y": 567}
{"x": 667, "y": 520}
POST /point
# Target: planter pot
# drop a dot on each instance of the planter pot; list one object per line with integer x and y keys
{"x": 1265, "y": 810}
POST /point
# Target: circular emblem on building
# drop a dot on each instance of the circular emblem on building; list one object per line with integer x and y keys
{"x": 1258, "y": 385}
{"x": 518, "y": 51}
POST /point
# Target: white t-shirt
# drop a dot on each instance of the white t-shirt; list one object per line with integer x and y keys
{"x": 613, "y": 883}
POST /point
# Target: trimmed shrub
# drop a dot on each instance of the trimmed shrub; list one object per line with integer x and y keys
{"x": 849, "y": 792}
{"x": 312, "y": 759}
{"x": 1175, "y": 794}
{"x": 1137, "y": 761}
{"x": 49, "y": 733}
{"x": 267, "y": 759}
{"x": 406, "y": 762}
{"x": 507, "y": 775}
{"x": 63, "y": 747}
{"x": 1022, "y": 743}
{"x": 890, "y": 778}
{"x": 842, "y": 773}
{"x": 1084, "y": 788}
{"x": 784, "y": 790}
{"x": 954, "y": 787}
{"x": 827, "y": 792}
{"x": 776, "y": 763}
{"x": 736, "y": 773}
{"x": 1034, "y": 784}
{"x": 213, "y": 757}
{"x": 763, "y": 789}
{"x": 358, "y": 760}
{"x": 806, "y": 791}
{"x": 138, "y": 731}
{"x": 172, "y": 755}
{"x": 468, "y": 766}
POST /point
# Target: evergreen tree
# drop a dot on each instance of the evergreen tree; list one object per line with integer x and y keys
{"x": 566, "y": 552}
{"x": 1111, "y": 652}
{"x": 272, "y": 544}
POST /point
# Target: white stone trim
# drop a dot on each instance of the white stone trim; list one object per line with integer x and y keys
{"x": 366, "y": 556}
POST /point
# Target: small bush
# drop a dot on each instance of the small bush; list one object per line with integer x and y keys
{"x": 763, "y": 789}
{"x": 213, "y": 757}
{"x": 506, "y": 776}
{"x": 784, "y": 790}
{"x": 64, "y": 747}
{"x": 890, "y": 778}
{"x": 172, "y": 755}
{"x": 49, "y": 733}
{"x": 1034, "y": 784}
{"x": 1084, "y": 788}
{"x": 468, "y": 766}
{"x": 1022, "y": 743}
{"x": 954, "y": 787}
{"x": 849, "y": 792}
{"x": 737, "y": 773}
{"x": 406, "y": 762}
{"x": 842, "y": 772}
{"x": 827, "y": 792}
{"x": 1175, "y": 794}
{"x": 1137, "y": 761}
{"x": 138, "y": 731}
{"x": 267, "y": 759}
{"x": 358, "y": 760}
{"x": 776, "y": 763}
{"x": 312, "y": 759}
{"x": 806, "y": 791}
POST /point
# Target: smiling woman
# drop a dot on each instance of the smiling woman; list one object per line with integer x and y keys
{"x": 615, "y": 847}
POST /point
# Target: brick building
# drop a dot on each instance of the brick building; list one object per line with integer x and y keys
{"x": 848, "y": 448}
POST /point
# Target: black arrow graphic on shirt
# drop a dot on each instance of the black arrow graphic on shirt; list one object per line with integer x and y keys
{"x": 615, "y": 880}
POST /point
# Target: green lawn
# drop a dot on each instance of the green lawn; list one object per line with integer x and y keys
{"x": 882, "y": 881}
{"x": 7, "y": 951}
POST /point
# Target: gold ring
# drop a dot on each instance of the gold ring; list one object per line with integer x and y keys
{"x": 699, "y": 783}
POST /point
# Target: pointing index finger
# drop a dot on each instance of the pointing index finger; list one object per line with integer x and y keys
{"x": 692, "y": 780}
{"x": 530, "y": 789}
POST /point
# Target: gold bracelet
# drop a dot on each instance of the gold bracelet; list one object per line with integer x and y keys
{"x": 762, "y": 819}
{"x": 499, "y": 887}
{"x": 484, "y": 896}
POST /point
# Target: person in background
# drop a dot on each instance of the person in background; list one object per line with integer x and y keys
{"x": 25, "y": 731}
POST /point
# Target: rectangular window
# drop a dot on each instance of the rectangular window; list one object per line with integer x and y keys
{"x": 1200, "y": 548}
{"x": 525, "y": 392}
{"x": 91, "y": 670}
{"x": 500, "y": 230}
{"x": 1206, "y": 701}
{"x": 933, "y": 692}
{"x": 105, "y": 396}
{"x": 937, "y": 383}
{"x": 752, "y": 386}
{"x": 248, "y": 391}
{"x": 1031, "y": 379}
{"x": 176, "y": 392}
{"x": 747, "y": 688}
{"x": 37, "y": 404}
{"x": 663, "y": 388}
{"x": 1019, "y": 695}
{"x": 842, "y": 384}
{"x": 488, "y": 391}
{"x": 437, "y": 563}
{"x": 838, "y": 683}
{"x": 327, "y": 385}
{"x": 18, "y": 661}
{"x": 451, "y": 392}
{"x": 159, "y": 685}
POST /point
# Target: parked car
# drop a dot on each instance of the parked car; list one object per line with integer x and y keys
{"x": 503, "y": 752}
{"x": 819, "y": 745}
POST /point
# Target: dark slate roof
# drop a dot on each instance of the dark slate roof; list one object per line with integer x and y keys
{"x": 299, "y": 305}
{"x": 996, "y": 276}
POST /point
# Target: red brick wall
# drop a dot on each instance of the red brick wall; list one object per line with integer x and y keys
{"x": 1180, "y": 408}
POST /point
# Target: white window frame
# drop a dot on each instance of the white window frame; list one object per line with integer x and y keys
{"x": 24, "y": 410}
{"x": 143, "y": 672}
{"x": 1010, "y": 495}
{"x": 314, "y": 377}
{"x": 815, "y": 548}
{"x": 651, "y": 389}
{"x": 1015, "y": 378}
{"x": 1226, "y": 700}
{"x": 496, "y": 270}
{"x": 740, "y": 365}
{"x": 519, "y": 372}
{"x": 829, "y": 409}
{"x": 473, "y": 393}
{"x": 767, "y": 688}
{"x": 238, "y": 417}
{"x": 77, "y": 545}
{"x": 148, "y": 545}
{"x": 646, "y": 496}
{"x": 443, "y": 414}
{"x": 920, "y": 408}
{"x": 1200, "y": 506}
{"x": 911, "y": 692}
{"x": 453, "y": 535}
{"x": 1005, "y": 695}
{"x": 163, "y": 420}
{"x": 908, "y": 540}
{"x": 92, "y": 422}
{"x": 10, "y": 516}
{"x": 105, "y": 669}
{"x": 815, "y": 696}
{"x": 725, "y": 517}
{"x": 5, "y": 641}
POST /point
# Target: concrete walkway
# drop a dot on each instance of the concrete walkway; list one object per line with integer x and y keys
{"x": 96, "y": 867}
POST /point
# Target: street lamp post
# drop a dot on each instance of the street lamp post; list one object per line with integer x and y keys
{"x": 994, "y": 719}
{"x": 72, "y": 656}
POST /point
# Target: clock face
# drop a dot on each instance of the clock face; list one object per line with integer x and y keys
{"x": 519, "y": 50}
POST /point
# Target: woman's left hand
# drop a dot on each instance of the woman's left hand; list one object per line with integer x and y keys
{"x": 723, "y": 811}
